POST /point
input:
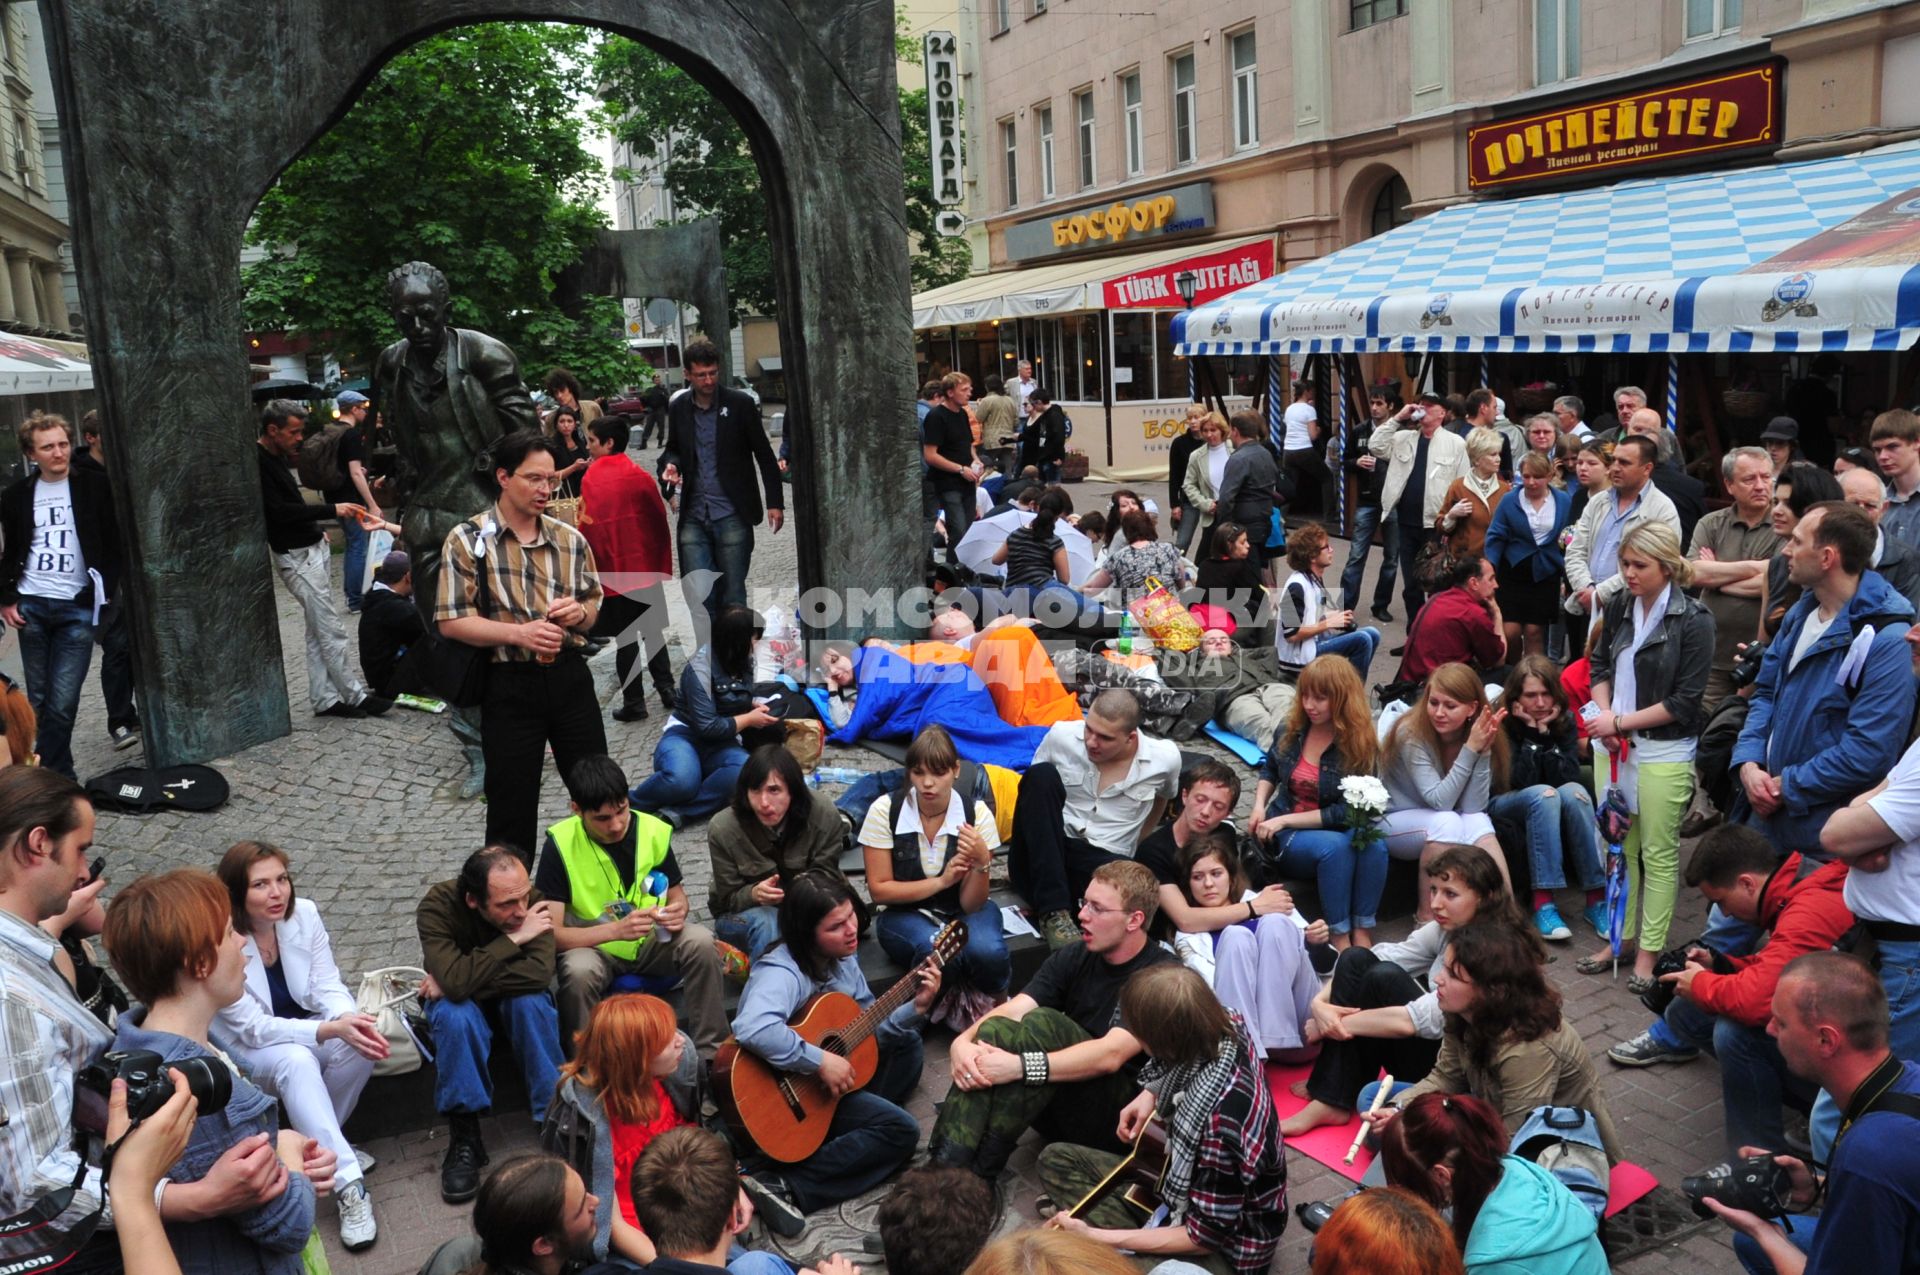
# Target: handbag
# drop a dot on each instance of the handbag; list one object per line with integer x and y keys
{"x": 457, "y": 671}
{"x": 1165, "y": 618}
{"x": 806, "y": 740}
{"x": 392, "y": 996}
{"x": 1433, "y": 563}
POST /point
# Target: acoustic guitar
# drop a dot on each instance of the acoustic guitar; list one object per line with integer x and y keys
{"x": 786, "y": 1113}
{"x": 1137, "y": 1177}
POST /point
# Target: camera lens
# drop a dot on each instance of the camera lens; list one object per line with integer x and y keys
{"x": 210, "y": 1081}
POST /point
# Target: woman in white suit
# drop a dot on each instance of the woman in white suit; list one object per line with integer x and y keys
{"x": 297, "y": 1030}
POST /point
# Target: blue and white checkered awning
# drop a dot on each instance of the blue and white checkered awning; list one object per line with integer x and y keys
{"x": 1696, "y": 263}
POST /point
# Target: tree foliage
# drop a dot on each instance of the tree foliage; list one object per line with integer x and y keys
{"x": 664, "y": 116}
{"x": 467, "y": 150}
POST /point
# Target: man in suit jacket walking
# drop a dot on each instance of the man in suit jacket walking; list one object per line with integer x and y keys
{"x": 713, "y": 440}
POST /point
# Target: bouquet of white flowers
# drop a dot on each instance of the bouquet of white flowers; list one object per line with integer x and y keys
{"x": 1366, "y": 802}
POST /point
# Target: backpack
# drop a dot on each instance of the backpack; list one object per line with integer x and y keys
{"x": 140, "y": 790}
{"x": 1565, "y": 1141}
{"x": 319, "y": 460}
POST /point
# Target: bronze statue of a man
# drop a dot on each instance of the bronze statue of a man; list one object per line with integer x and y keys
{"x": 446, "y": 394}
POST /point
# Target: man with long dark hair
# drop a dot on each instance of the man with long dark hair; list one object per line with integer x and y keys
{"x": 533, "y": 1216}
{"x": 870, "y": 1138}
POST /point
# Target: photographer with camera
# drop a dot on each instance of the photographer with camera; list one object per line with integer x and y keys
{"x": 1720, "y": 1003}
{"x": 1830, "y": 1018}
{"x": 172, "y": 939}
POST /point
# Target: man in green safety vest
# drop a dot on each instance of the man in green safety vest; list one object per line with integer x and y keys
{"x": 626, "y": 911}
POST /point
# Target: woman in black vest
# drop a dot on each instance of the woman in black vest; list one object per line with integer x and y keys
{"x": 928, "y": 857}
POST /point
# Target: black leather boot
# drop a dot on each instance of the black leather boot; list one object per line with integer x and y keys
{"x": 460, "y": 1170}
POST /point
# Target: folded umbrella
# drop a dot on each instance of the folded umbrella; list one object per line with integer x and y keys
{"x": 1615, "y": 818}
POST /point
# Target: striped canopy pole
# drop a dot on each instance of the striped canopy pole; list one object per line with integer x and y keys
{"x": 1339, "y": 483}
{"x": 1276, "y": 430}
{"x": 1673, "y": 392}
{"x": 1193, "y": 372}
{"x": 1486, "y": 371}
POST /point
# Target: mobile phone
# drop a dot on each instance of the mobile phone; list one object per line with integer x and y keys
{"x": 96, "y": 867}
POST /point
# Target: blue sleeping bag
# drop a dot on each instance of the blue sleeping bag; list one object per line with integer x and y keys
{"x": 898, "y": 697}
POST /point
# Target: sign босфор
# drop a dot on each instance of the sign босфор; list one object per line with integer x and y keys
{"x": 1735, "y": 111}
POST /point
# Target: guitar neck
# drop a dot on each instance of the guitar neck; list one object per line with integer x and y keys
{"x": 882, "y": 1008}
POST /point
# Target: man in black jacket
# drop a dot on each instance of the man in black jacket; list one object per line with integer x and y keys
{"x": 61, "y": 566}
{"x": 301, "y": 556}
{"x": 714, "y": 440}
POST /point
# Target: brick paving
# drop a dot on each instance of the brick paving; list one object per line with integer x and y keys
{"x": 370, "y": 814}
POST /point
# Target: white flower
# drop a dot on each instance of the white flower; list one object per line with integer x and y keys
{"x": 1364, "y": 793}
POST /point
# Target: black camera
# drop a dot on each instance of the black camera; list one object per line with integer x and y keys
{"x": 148, "y": 1085}
{"x": 1754, "y": 1183}
{"x": 1672, "y": 961}
{"x": 1746, "y": 665}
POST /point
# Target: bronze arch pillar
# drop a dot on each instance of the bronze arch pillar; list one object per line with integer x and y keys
{"x": 176, "y": 117}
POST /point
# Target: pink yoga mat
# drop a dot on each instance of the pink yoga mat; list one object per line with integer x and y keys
{"x": 1328, "y": 1144}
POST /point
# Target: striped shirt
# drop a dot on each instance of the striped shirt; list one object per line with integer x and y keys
{"x": 46, "y": 1037}
{"x": 524, "y": 579}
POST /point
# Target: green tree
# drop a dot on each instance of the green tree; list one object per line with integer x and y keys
{"x": 657, "y": 109}
{"x": 467, "y": 150}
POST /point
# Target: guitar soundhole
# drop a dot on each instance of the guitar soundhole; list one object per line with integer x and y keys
{"x": 831, "y": 1045}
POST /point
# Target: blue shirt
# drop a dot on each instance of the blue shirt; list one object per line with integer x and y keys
{"x": 711, "y": 504}
{"x": 1872, "y": 1217}
{"x": 777, "y": 987}
{"x": 1604, "y": 561}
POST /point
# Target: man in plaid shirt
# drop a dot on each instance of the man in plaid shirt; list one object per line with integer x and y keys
{"x": 1223, "y": 1192}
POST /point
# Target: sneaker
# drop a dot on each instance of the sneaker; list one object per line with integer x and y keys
{"x": 342, "y": 709}
{"x": 1060, "y": 930}
{"x": 769, "y": 1196}
{"x": 1552, "y": 928}
{"x": 365, "y": 1160}
{"x": 375, "y": 705}
{"x": 1596, "y": 915}
{"x": 1644, "y": 1051}
{"x": 124, "y": 737}
{"x": 357, "y": 1227}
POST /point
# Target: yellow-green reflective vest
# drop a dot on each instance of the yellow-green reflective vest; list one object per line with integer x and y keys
{"x": 594, "y": 882}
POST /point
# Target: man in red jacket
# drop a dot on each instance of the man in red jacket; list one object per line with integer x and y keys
{"x": 1722, "y": 1003}
{"x": 625, "y": 522}
{"x": 1460, "y": 624}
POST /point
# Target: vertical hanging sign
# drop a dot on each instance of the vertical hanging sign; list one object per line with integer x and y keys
{"x": 943, "y": 130}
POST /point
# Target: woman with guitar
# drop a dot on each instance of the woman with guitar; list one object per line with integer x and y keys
{"x": 928, "y": 853}
{"x": 1220, "y": 1198}
{"x": 805, "y": 1038}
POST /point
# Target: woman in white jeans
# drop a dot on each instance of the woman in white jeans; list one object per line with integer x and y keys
{"x": 296, "y": 1030}
{"x": 1441, "y": 763}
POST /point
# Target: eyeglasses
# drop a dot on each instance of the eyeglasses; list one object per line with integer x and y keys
{"x": 546, "y": 482}
{"x": 1088, "y": 905}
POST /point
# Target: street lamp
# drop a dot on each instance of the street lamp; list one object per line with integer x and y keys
{"x": 1186, "y": 283}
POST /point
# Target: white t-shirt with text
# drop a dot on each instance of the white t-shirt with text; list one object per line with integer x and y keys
{"x": 55, "y": 566}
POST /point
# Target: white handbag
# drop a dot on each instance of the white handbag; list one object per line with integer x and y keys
{"x": 392, "y": 995}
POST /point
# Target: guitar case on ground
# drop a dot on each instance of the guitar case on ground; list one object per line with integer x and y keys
{"x": 141, "y": 790}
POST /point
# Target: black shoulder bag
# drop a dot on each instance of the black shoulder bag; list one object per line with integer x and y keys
{"x": 457, "y": 671}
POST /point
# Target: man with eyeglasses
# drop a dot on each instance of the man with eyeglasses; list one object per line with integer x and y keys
{"x": 1056, "y": 1057}
{"x": 541, "y": 599}
{"x": 302, "y": 559}
{"x": 1593, "y": 554}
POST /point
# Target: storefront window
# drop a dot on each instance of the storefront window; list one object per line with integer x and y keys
{"x": 1090, "y": 338}
{"x": 1172, "y": 369}
{"x": 978, "y": 351}
{"x": 1133, "y": 361}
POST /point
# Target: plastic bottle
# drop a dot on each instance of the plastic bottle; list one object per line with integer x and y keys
{"x": 834, "y": 775}
{"x": 1125, "y": 644}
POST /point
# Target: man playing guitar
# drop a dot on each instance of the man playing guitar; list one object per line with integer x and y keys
{"x": 871, "y": 1138}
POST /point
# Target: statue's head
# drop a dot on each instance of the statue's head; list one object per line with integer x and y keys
{"x": 417, "y": 294}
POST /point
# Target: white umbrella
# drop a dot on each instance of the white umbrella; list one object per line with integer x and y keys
{"x": 986, "y": 535}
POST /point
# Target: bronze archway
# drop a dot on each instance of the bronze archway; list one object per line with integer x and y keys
{"x": 176, "y": 117}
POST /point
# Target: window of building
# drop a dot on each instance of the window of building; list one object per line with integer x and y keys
{"x": 1186, "y": 109}
{"x": 1556, "y": 40}
{"x": 1044, "y": 127}
{"x": 1708, "y": 18}
{"x": 1133, "y": 359}
{"x": 1083, "y": 123}
{"x": 1090, "y": 340}
{"x": 1009, "y": 146}
{"x": 1246, "y": 91}
{"x": 1002, "y": 16}
{"x": 1365, "y": 13}
{"x": 1390, "y": 207}
{"x": 23, "y": 151}
{"x": 1136, "y": 127}
{"x": 1039, "y": 7}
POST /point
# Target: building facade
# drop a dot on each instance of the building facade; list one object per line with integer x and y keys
{"x": 1315, "y": 124}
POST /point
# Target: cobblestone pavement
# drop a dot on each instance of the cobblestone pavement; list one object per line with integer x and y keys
{"x": 369, "y": 812}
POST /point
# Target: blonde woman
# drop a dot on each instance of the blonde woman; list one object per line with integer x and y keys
{"x": 1650, "y": 670}
{"x": 1205, "y": 468}
{"x": 1468, "y": 506}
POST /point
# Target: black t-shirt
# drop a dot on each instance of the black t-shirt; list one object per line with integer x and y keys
{"x": 1413, "y": 497}
{"x": 351, "y": 449}
{"x": 1085, "y": 988}
{"x": 551, "y": 877}
{"x": 950, "y": 432}
{"x": 1160, "y": 855}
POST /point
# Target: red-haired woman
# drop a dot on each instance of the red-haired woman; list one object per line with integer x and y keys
{"x": 1389, "y": 1231}
{"x": 634, "y": 1075}
{"x": 1510, "y": 1216}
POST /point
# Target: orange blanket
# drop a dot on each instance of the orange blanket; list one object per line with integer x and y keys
{"x": 1017, "y": 670}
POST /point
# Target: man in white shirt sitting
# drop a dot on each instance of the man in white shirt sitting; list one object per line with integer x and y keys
{"x": 1095, "y": 790}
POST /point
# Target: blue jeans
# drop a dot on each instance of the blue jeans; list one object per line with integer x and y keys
{"x": 752, "y": 931}
{"x": 1350, "y": 880}
{"x": 463, "y": 1039}
{"x": 1754, "y": 1079}
{"x": 724, "y": 547}
{"x": 1900, "y": 975}
{"x": 1753, "y": 1258}
{"x": 1356, "y": 647}
{"x": 871, "y": 1137}
{"x": 869, "y": 788}
{"x": 690, "y": 779}
{"x": 1560, "y": 830}
{"x": 906, "y": 935}
{"x": 56, "y": 647}
{"x": 354, "y": 569}
{"x": 1368, "y": 526}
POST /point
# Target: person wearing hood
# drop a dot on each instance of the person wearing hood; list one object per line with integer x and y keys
{"x": 1510, "y": 1216}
